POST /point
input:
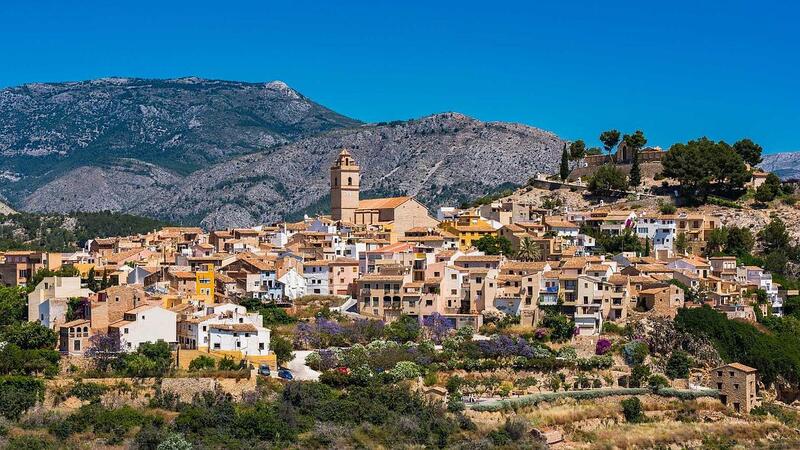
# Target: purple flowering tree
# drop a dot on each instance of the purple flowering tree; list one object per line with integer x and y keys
{"x": 437, "y": 327}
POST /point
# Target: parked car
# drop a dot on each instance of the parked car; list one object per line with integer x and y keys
{"x": 263, "y": 369}
{"x": 285, "y": 374}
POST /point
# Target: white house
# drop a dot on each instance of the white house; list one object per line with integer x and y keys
{"x": 244, "y": 337}
{"x": 317, "y": 277}
{"x": 294, "y": 285}
{"x": 660, "y": 229}
{"x": 225, "y": 327}
{"x": 763, "y": 280}
{"x": 146, "y": 323}
{"x": 47, "y": 304}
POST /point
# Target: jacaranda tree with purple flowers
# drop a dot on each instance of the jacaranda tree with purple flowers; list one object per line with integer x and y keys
{"x": 437, "y": 327}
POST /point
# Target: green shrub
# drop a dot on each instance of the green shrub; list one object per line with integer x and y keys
{"x": 202, "y": 362}
{"x": 227, "y": 363}
{"x": 611, "y": 327}
{"x": 635, "y": 352}
{"x": 657, "y": 382}
{"x": 639, "y": 375}
{"x": 632, "y": 409}
{"x": 18, "y": 394}
{"x": 29, "y": 442}
{"x": 88, "y": 391}
{"x": 678, "y": 365}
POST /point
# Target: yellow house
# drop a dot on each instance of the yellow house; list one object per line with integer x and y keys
{"x": 204, "y": 284}
{"x": 468, "y": 228}
{"x": 84, "y": 269}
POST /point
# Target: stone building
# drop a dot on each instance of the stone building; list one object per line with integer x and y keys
{"x": 396, "y": 215}
{"x": 736, "y": 384}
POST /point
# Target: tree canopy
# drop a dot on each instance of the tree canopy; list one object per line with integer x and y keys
{"x": 577, "y": 149}
{"x": 749, "y": 151}
{"x": 703, "y": 167}
{"x": 607, "y": 178}
{"x": 493, "y": 245}
{"x": 610, "y": 139}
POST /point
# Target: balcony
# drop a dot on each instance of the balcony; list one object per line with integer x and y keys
{"x": 550, "y": 289}
{"x": 548, "y": 300}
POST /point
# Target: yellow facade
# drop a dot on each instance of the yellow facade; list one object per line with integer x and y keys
{"x": 204, "y": 284}
{"x": 468, "y": 228}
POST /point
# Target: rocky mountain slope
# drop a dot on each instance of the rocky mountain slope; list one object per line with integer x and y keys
{"x": 443, "y": 158}
{"x": 225, "y": 153}
{"x": 786, "y": 165}
{"x": 179, "y": 124}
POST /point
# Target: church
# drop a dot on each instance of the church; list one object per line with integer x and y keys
{"x": 394, "y": 214}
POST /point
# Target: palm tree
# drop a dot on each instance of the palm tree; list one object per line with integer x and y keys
{"x": 528, "y": 250}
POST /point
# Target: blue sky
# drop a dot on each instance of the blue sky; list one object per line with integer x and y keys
{"x": 677, "y": 70}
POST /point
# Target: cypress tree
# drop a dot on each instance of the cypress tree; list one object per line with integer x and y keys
{"x": 635, "y": 176}
{"x": 564, "y": 164}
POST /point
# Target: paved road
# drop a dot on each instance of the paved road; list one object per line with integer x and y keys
{"x": 299, "y": 369}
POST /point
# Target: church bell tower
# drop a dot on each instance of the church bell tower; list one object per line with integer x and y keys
{"x": 345, "y": 178}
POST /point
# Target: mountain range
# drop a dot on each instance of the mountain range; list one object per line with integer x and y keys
{"x": 785, "y": 165}
{"x": 224, "y": 153}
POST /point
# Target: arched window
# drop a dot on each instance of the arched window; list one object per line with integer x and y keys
{"x": 349, "y": 181}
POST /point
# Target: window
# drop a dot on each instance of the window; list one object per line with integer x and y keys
{"x": 261, "y": 346}
{"x": 77, "y": 345}
{"x": 205, "y": 328}
{"x": 349, "y": 181}
{"x": 238, "y": 344}
{"x": 125, "y": 330}
{"x": 216, "y": 345}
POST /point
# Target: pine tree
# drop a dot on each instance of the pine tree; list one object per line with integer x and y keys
{"x": 635, "y": 176}
{"x": 646, "y": 246}
{"x": 564, "y": 164}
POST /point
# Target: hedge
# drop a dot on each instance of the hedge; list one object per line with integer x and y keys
{"x": 18, "y": 394}
{"x": 535, "y": 399}
{"x": 589, "y": 394}
{"x": 687, "y": 394}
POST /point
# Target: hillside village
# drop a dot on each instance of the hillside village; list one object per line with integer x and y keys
{"x": 484, "y": 309}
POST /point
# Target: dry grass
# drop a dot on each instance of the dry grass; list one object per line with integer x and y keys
{"x": 649, "y": 435}
{"x": 569, "y": 412}
{"x": 518, "y": 330}
{"x": 564, "y": 414}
